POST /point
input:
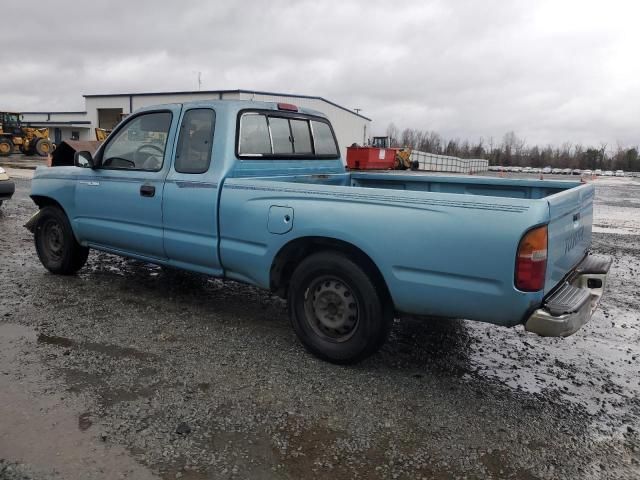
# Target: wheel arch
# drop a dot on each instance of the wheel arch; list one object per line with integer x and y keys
{"x": 44, "y": 201}
{"x": 292, "y": 253}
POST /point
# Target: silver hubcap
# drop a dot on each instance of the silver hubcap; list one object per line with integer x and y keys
{"x": 331, "y": 309}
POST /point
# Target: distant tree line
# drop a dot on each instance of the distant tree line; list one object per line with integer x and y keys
{"x": 514, "y": 151}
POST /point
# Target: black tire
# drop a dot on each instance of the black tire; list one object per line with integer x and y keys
{"x": 6, "y": 147}
{"x": 336, "y": 309}
{"x": 56, "y": 245}
{"x": 43, "y": 147}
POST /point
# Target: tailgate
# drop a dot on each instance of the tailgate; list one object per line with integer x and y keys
{"x": 570, "y": 219}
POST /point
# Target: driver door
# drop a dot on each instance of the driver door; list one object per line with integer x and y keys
{"x": 119, "y": 204}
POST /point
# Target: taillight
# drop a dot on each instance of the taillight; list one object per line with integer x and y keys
{"x": 531, "y": 260}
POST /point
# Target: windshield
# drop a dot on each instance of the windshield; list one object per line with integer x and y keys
{"x": 11, "y": 118}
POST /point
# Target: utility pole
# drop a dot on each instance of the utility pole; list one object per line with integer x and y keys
{"x": 357, "y": 110}
{"x": 199, "y": 80}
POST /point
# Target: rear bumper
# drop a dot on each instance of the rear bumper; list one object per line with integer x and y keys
{"x": 569, "y": 307}
{"x": 6, "y": 189}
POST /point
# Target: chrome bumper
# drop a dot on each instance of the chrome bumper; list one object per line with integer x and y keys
{"x": 571, "y": 305}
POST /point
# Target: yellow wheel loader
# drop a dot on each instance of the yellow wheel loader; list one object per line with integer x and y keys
{"x": 18, "y": 138}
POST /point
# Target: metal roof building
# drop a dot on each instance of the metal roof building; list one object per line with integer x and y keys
{"x": 106, "y": 110}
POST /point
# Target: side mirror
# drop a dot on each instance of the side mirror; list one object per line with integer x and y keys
{"x": 83, "y": 159}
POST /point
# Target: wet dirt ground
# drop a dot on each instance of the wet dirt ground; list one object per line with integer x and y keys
{"x": 127, "y": 370}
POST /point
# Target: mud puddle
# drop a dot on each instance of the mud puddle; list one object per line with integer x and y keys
{"x": 47, "y": 430}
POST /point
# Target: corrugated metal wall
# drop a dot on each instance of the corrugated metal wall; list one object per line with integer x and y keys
{"x": 349, "y": 127}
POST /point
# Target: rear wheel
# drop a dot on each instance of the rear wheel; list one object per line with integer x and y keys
{"x": 6, "y": 147}
{"x": 43, "y": 147}
{"x": 336, "y": 309}
{"x": 56, "y": 245}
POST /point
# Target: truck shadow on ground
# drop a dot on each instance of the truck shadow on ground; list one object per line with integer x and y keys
{"x": 433, "y": 345}
{"x": 418, "y": 345}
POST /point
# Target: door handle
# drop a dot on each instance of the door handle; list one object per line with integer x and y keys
{"x": 147, "y": 191}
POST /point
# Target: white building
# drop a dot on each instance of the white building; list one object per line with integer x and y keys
{"x": 105, "y": 111}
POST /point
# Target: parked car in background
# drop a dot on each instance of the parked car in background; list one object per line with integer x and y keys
{"x": 517, "y": 169}
{"x": 576, "y": 171}
{"x": 598, "y": 171}
{"x": 608, "y": 173}
{"x": 253, "y": 202}
{"x": 619, "y": 173}
{"x": 6, "y": 186}
{"x": 546, "y": 170}
{"x": 526, "y": 170}
{"x": 566, "y": 171}
{"x": 587, "y": 172}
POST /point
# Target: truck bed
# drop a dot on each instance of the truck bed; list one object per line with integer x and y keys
{"x": 456, "y": 184}
{"x": 426, "y": 232}
{"x": 466, "y": 185}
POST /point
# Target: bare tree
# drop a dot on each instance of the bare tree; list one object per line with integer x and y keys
{"x": 514, "y": 150}
{"x": 392, "y": 133}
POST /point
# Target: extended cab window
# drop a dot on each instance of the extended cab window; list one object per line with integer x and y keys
{"x": 193, "y": 154}
{"x": 323, "y": 139}
{"x": 140, "y": 144}
{"x": 281, "y": 136}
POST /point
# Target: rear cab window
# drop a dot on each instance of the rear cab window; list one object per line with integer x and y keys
{"x": 275, "y": 134}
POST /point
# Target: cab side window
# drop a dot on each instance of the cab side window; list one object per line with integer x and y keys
{"x": 195, "y": 143}
{"x": 140, "y": 144}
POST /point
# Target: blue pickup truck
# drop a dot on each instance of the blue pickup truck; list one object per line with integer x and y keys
{"x": 258, "y": 193}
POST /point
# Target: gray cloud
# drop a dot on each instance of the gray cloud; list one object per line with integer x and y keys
{"x": 551, "y": 71}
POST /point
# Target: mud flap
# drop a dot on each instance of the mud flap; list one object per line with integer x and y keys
{"x": 32, "y": 222}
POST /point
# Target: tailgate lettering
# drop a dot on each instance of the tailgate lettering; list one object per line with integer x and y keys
{"x": 574, "y": 239}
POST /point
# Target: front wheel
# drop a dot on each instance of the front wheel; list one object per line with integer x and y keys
{"x": 336, "y": 309}
{"x": 56, "y": 245}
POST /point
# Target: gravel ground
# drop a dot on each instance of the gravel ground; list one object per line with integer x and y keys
{"x": 131, "y": 371}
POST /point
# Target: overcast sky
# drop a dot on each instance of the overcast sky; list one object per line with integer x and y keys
{"x": 552, "y": 71}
